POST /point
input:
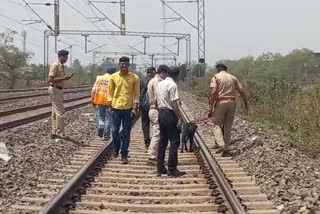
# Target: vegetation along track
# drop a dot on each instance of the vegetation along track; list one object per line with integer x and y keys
{"x": 16, "y": 96}
{"x": 25, "y": 115}
{"x": 94, "y": 183}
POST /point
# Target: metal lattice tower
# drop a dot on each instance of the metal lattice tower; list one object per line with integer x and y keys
{"x": 201, "y": 31}
{"x": 123, "y": 16}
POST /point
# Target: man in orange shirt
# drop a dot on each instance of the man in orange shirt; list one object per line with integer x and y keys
{"x": 99, "y": 96}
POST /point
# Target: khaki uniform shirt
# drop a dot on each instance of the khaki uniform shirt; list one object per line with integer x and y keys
{"x": 57, "y": 70}
{"x": 151, "y": 92}
{"x": 226, "y": 83}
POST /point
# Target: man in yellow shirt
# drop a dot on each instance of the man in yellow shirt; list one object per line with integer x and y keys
{"x": 124, "y": 93}
{"x": 99, "y": 95}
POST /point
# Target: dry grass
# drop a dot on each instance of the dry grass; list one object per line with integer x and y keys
{"x": 279, "y": 105}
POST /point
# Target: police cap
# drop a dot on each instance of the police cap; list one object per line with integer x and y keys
{"x": 151, "y": 70}
{"x": 221, "y": 66}
{"x": 63, "y": 53}
{"x": 110, "y": 69}
{"x": 163, "y": 68}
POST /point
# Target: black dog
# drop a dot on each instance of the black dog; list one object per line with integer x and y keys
{"x": 188, "y": 131}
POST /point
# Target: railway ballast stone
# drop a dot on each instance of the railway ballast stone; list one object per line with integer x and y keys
{"x": 289, "y": 177}
{"x": 32, "y": 152}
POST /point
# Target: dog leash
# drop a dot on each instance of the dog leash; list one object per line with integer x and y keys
{"x": 201, "y": 119}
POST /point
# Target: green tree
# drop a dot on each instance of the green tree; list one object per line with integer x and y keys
{"x": 11, "y": 62}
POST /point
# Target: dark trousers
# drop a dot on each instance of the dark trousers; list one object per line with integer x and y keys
{"x": 168, "y": 131}
{"x": 145, "y": 125}
{"x": 121, "y": 117}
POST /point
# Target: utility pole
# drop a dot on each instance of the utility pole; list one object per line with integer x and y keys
{"x": 93, "y": 65}
{"x": 24, "y": 40}
{"x": 56, "y": 23}
{"x": 123, "y": 17}
{"x": 201, "y": 31}
{"x": 56, "y": 18}
{"x": 200, "y": 27}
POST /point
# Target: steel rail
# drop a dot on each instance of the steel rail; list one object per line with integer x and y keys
{"x": 232, "y": 198}
{"x": 4, "y": 99}
{"x": 28, "y": 119}
{"x": 71, "y": 192}
{"x": 29, "y": 108}
{"x": 38, "y": 89}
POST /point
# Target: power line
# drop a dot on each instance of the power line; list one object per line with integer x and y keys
{"x": 5, "y": 16}
{"x": 20, "y": 23}
{"x": 70, "y": 5}
{"x": 48, "y": 26}
{"x": 104, "y": 14}
{"x": 13, "y": 2}
{"x": 114, "y": 40}
{"x": 34, "y": 44}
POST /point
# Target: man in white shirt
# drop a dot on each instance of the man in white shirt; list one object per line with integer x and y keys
{"x": 167, "y": 101}
{"x": 153, "y": 112}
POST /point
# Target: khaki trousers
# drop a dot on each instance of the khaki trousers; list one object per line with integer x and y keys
{"x": 223, "y": 115}
{"x": 155, "y": 138}
{"x": 57, "y": 116}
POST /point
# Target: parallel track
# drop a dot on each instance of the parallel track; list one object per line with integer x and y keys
{"x": 36, "y": 113}
{"x": 29, "y": 108}
{"x": 38, "y": 89}
{"x": 13, "y": 98}
{"x": 94, "y": 183}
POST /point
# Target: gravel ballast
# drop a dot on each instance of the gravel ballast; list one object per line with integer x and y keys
{"x": 289, "y": 177}
{"x": 34, "y": 154}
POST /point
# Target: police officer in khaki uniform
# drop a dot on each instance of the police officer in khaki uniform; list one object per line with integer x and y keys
{"x": 56, "y": 80}
{"x": 224, "y": 87}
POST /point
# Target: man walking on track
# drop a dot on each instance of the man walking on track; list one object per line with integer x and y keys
{"x": 153, "y": 112}
{"x": 56, "y": 80}
{"x": 170, "y": 120}
{"x": 99, "y": 95}
{"x": 223, "y": 95}
{"x": 144, "y": 106}
{"x": 124, "y": 93}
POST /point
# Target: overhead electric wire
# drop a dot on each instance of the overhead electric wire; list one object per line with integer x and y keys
{"x": 13, "y": 2}
{"x": 48, "y": 26}
{"x": 113, "y": 39}
{"x": 20, "y": 23}
{"x": 104, "y": 14}
{"x": 78, "y": 11}
{"x": 29, "y": 42}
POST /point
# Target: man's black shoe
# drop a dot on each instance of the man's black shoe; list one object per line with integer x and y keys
{"x": 147, "y": 143}
{"x": 176, "y": 173}
{"x": 225, "y": 153}
{"x": 52, "y": 136}
{"x": 100, "y": 132}
{"x": 124, "y": 159}
{"x": 115, "y": 154}
{"x": 107, "y": 136}
{"x": 162, "y": 171}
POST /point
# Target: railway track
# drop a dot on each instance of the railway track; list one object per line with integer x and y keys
{"x": 25, "y": 115}
{"x": 94, "y": 183}
{"x": 14, "y": 98}
{"x": 29, "y": 108}
{"x": 38, "y": 89}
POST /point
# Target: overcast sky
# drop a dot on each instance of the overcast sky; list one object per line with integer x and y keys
{"x": 234, "y": 28}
